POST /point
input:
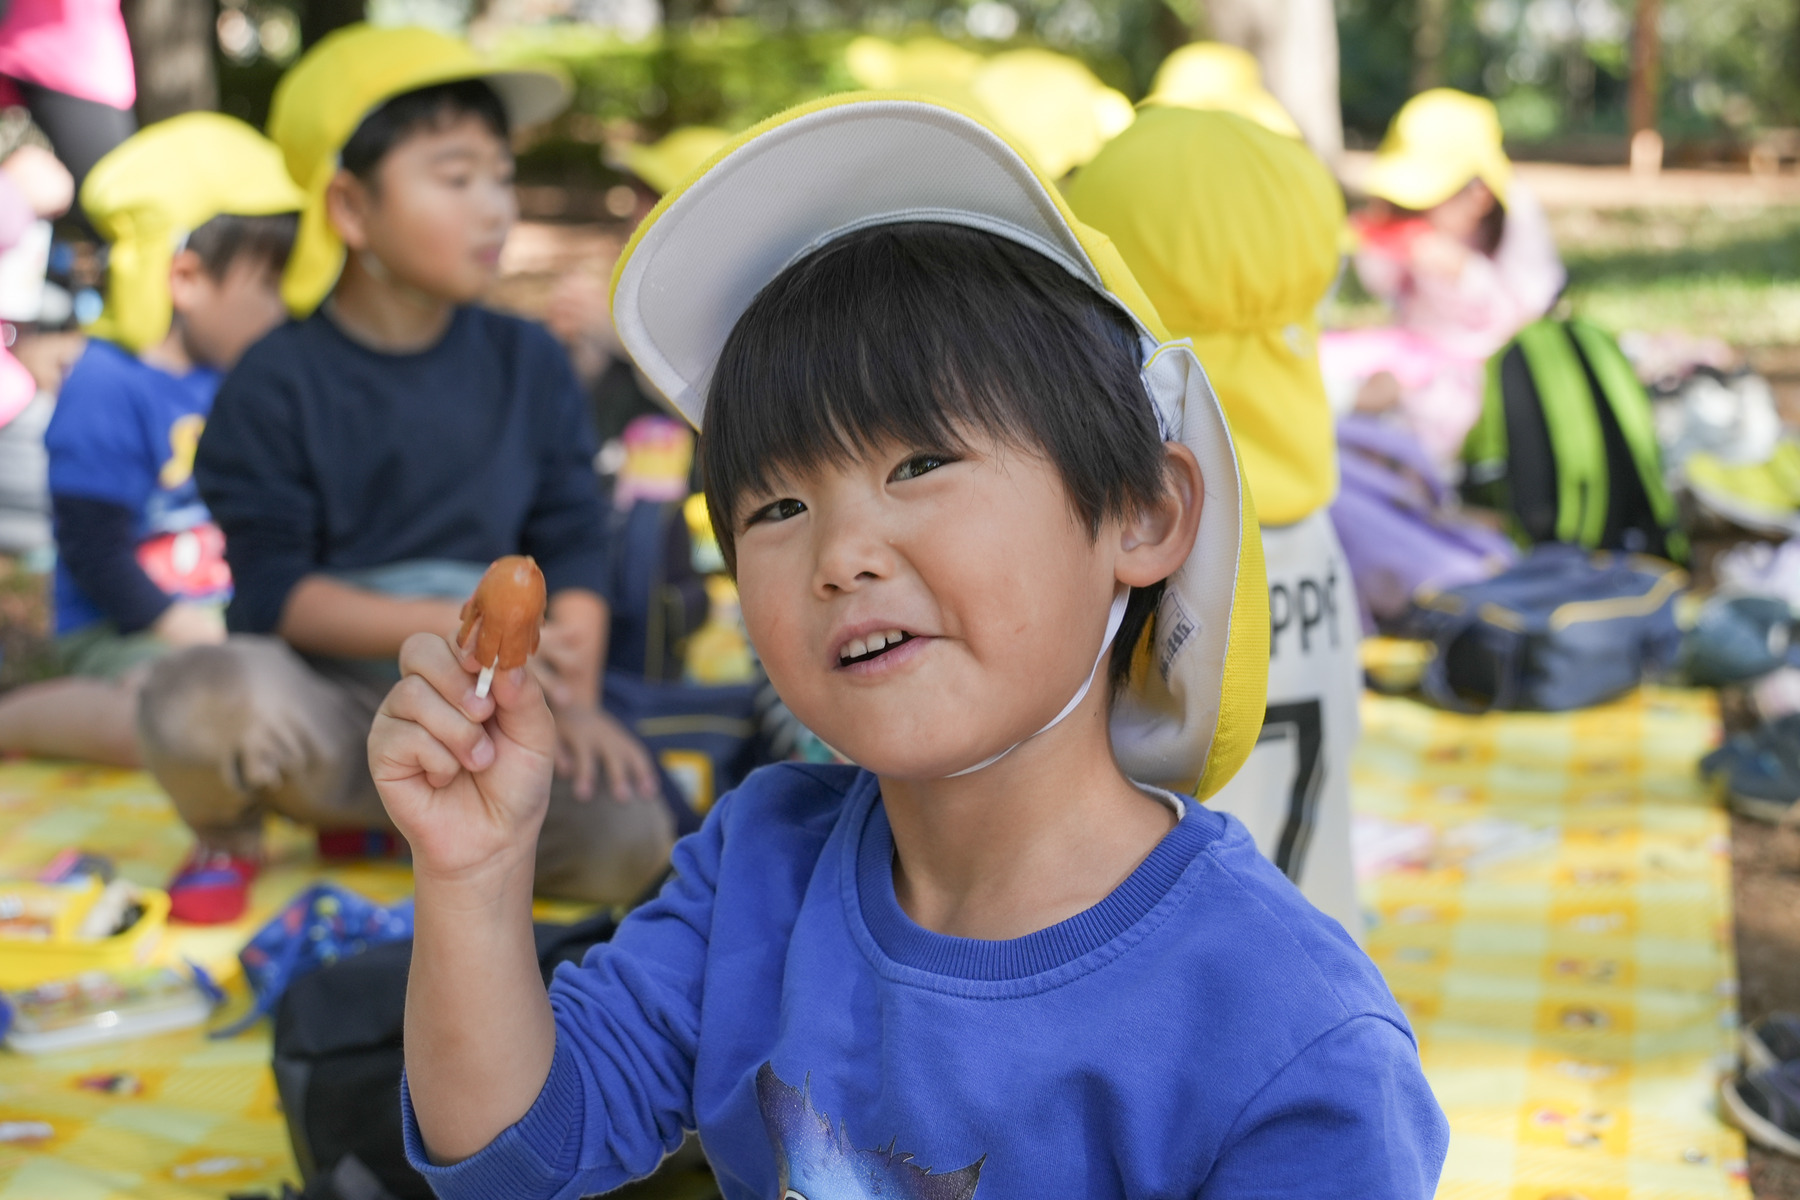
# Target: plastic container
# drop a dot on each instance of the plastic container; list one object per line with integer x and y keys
{"x": 103, "y": 1006}
{"x": 42, "y": 935}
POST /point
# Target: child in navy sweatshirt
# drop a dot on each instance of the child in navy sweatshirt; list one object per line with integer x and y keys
{"x": 993, "y": 544}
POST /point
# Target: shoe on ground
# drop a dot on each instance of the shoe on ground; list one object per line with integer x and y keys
{"x": 1772, "y": 1041}
{"x": 1764, "y": 496}
{"x": 1766, "y": 1106}
{"x": 211, "y": 887}
{"x": 1761, "y": 770}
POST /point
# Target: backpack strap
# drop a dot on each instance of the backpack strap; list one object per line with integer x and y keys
{"x": 1624, "y": 394}
{"x": 1575, "y": 437}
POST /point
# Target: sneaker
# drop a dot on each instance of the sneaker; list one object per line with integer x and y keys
{"x": 1766, "y": 1106}
{"x": 1771, "y": 1042}
{"x": 1760, "y": 769}
{"x": 211, "y": 887}
{"x": 1736, "y": 639}
{"x": 1763, "y": 497}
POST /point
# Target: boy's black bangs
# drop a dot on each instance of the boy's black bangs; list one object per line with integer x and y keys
{"x": 264, "y": 240}
{"x": 923, "y": 335}
{"x": 429, "y": 108}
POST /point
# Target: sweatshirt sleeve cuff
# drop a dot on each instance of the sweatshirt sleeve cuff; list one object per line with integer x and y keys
{"x": 537, "y": 1156}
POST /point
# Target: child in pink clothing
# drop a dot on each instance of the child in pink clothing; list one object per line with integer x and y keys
{"x": 1460, "y": 251}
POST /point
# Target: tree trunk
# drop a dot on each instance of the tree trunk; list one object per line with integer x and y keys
{"x": 1296, "y": 43}
{"x": 320, "y": 17}
{"x": 1644, "y": 90}
{"x": 1430, "y": 36}
{"x": 172, "y": 46}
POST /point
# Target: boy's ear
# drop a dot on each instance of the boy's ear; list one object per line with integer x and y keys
{"x": 1156, "y": 540}
{"x": 187, "y": 273}
{"x": 347, "y": 204}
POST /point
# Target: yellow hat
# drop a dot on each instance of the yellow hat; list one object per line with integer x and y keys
{"x": 663, "y": 165}
{"x": 1233, "y": 232}
{"x": 160, "y": 184}
{"x": 710, "y": 246}
{"x": 1438, "y": 142}
{"x": 1213, "y": 75}
{"x": 320, "y": 102}
{"x": 1049, "y": 105}
{"x": 883, "y": 65}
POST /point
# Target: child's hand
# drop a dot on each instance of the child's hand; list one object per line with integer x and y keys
{"x": 589, "y": 739}
{"x": 185, "y": 624}
{"x": 465, "y": 779}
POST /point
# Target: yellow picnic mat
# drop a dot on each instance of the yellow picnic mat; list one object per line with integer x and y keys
{"x": 1551, "y": 903}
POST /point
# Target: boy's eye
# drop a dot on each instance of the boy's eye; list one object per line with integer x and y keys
{"x": 781, "y": 510}
{"x": 920, "y": 464}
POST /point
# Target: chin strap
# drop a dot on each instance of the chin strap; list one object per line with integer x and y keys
{"x": 1114, "y": 618}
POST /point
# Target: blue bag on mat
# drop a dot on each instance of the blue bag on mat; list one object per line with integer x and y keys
{"x": 704, "y": 737}
{"x": 318, "y": 927}
{"x": 1564, "y": 629}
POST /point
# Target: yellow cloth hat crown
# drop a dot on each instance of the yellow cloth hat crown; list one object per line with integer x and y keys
{"x": 160, "y": 184}
{"x": 1439, "y": 141}
{"x": 1194, "y": 711}
{"x": 1233, "y": 233}
{"x": 1215, "y": 76}
{"x": 1049, "y": 105}
{"x": 664, "y": 164}
{"x": 320, "y": 102}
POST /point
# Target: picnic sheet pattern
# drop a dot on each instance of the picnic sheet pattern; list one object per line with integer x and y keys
{"x": 1549, "y": 897}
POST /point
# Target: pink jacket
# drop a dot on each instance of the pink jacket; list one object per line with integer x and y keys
{"x": 73, "y": 46}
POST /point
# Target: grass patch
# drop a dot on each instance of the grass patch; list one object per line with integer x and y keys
{"x": 1732, "y": 274}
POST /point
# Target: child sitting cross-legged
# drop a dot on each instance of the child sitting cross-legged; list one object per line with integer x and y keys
{"x": 993, "y": 544}
{"x": 200, "y": 214}
{"x": 368, "y": 460}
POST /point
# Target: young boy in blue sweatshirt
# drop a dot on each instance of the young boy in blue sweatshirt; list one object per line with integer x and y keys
{"x": 200, "y": 214}
{"x": 369, "y": 459}
{"x": 993, "y": 544}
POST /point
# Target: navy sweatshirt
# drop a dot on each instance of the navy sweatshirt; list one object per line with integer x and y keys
{"x": 323, "y": 456}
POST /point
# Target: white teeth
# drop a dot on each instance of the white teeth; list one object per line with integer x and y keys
{"x": 857, "y": 647}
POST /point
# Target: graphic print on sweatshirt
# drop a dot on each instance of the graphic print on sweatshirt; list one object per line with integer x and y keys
{"x": 815, "y": 1162}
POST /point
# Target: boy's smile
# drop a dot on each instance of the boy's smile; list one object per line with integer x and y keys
{"x": 923, "y": 611}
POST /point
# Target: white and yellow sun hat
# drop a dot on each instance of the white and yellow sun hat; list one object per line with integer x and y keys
{"x": 703, "y": 254}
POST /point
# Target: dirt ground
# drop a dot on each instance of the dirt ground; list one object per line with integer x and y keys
{"x": 1766, "y": 890}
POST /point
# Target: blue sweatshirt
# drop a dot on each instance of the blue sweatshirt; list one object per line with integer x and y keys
{"x": 324, "y": 456}
{"x": 132, "y": 533}
{"x": 1201, "y": 1032}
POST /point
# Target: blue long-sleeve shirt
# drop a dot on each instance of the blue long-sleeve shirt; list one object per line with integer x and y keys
{"x": 323, "y": 455}
{"x": 1202, "y": 1032}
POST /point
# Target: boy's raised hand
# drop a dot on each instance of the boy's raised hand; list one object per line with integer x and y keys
{"x": 466, "y": 779}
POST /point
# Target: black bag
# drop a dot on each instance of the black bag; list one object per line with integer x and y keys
{"x": 338, "y": 1058}
{"x": 656, "y": 596}
{"x": 1566, "y": 445}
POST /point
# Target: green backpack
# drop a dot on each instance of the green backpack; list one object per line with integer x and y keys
{"x": 1566, "y": 448}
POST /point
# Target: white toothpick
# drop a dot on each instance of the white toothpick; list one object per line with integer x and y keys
{"x": 485, "y": 680}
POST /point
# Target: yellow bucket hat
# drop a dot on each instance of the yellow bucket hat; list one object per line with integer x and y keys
{"x": 157, "y": 186}
{"x": 1233, "y": 232}
{"x": 663, "y": 165}
{"x": 1215, "y": 76}
{"x": 319, "y": 103}
{"x": 1438, "y": 142}
{"x": 710, "y": 246}
{"x": 1049, "y": 105}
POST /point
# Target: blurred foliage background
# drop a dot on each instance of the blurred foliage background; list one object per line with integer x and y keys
{"x": 1557, "y": 68}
